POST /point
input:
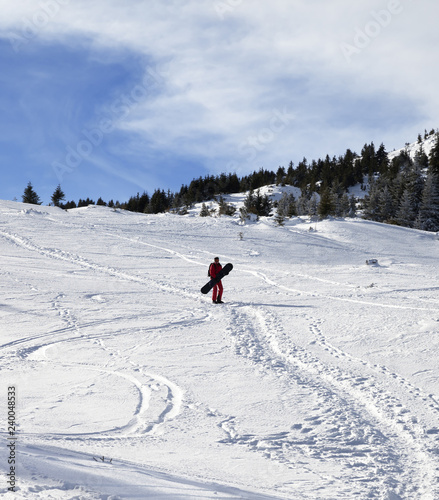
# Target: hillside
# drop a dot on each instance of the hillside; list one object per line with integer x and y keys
{"x": 317, "y": 379}
{"x": 427, "y": 145}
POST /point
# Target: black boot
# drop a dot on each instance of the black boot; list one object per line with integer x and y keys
{"x": 219, "y": 301}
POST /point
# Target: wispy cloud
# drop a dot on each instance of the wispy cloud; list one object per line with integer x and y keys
{"x": 224, "y": 77}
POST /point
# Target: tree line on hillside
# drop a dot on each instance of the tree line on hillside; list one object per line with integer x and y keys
{"x": 30, "y": 196}
{"x": 402, "y": 191}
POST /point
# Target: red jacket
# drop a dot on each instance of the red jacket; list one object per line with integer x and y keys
{"x": 214, "y": 269}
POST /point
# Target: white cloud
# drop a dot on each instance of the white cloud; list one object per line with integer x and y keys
{"x": 231, "y": 65}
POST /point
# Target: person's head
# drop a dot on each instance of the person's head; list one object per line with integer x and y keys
{"x": 216, "y": 260}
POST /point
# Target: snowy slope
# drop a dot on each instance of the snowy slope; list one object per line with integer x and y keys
{"x": 426, "y": 144}
{"x": 317, "y": 379}
{"x": 359, "y": 191}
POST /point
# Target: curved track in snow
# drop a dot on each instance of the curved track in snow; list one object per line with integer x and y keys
{"x": 367, "y": 422}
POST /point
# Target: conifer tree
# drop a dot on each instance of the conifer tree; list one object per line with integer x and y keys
{"x": 336, "y": 193}
{"x": 292, "y": 206}
{"x": 368, "y": 161}
{"x": 382, "y": 160}
{"x": 302, "y": 205}
{"x": 326, "y": 205}
{"x": 405, "y": 215}
{"x": 428, "y": 218}
{"x": 143, "y": 202}
{"x": 420, "y": 158}
{"x": 249, "y": 201}
{"x": 225, "y": 208}
{"x": 279, "y": 219}
{"x": 204, "y": 212}
{"x": 371, "y": 202}
{"x": 301, "y": 174}
{"x": 353, "y": 206}
{"x": 158, "y": 203}
{"x": 58, "y": 196}
{"x": 347, "y": 206}
{"x": 280, "y": 176}
{"x": 312, "y": 205}
{"x": 30, "y": 196}
{"x": 85, "y": 203}
{"x": 287, "y": 205}
{"x": 262, "y": 204}
{"x": 69, "y": 205}
{"x": 386, "y": 206}
{"x": 434, "y": 159}
{"x": 414, "y": 184}
{"x": 257, "y": 204}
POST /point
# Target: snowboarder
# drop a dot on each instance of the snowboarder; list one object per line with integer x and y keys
{"x": 217, "y": 292}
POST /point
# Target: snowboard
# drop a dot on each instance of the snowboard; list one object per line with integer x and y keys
{"x": 224, "y": 272}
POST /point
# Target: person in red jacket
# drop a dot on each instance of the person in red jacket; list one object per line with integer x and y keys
{"x": 217, "y": 292}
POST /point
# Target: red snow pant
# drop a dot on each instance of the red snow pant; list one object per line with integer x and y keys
{"x": 217, "y": 291}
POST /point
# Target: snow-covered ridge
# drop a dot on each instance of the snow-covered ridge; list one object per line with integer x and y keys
{"x": 414, "y": 147}
{"x": 316, "y": 379}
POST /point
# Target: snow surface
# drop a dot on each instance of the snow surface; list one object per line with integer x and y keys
{"x": 414, "y": 147}
{"x": 317, "y": 379}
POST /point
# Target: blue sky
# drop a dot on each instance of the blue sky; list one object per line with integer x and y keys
{"x": 111, "y": 98}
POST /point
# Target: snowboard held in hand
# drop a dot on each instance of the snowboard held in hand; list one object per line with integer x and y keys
{"x": 224, "y": 272}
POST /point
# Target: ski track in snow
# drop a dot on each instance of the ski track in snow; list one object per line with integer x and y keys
{"x": 168, "y": 395}
{"x": 357, "y": 410}
{"x": 157, "y": 391}
{"x": 360, "y": 421}
{"x": 262, "y": 276}
{"x": 83, "y": 262}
